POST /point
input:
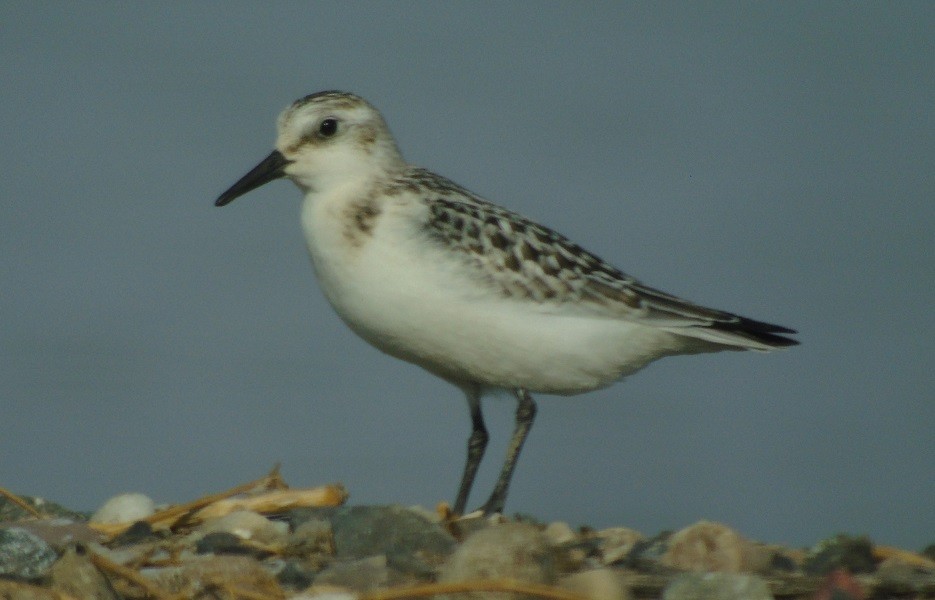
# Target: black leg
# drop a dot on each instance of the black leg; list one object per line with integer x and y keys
{"x": 525, "y": 413}
{"x": 476, "y": 445}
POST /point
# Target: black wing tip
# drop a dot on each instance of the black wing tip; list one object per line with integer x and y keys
{"x": 778, "y": 341}
{"x": 228, "y": 197}
{"x": 768, "y": 333}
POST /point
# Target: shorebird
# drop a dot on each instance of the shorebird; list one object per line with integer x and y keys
{"x": 484, "y": 298}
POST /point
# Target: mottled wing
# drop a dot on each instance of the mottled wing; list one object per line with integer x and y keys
{"x": 521, "y": 258}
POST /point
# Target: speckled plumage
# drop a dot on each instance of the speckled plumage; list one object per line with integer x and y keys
{"x": 430, "y": 273}
{"x": 523, "y": 259}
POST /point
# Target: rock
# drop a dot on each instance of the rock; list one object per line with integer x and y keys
{"x": 465, "y": 526}
{"x": 839, "y": 585}
{"x": 222, "y": 542}
{"x": 558, "y": 533}
{"x": 23, "y": 554}
{"x": 10, "y": 511}
{"x": 141, "y": 531}
{"x": 510, "y": 551}
{"x": 900, "y": 578}
{"x": 929, "y": 551}
{"x": 132, "y": 554}
{"x": 324, "y": 593}
{"x": 615, "y": 543}
{"x": 60, "y": 533}
{"x": 312, "y": 537}
{"x": 198, "y": 574}
{"x": 646, "y": 554}
{"x": 569, "y": 549}
{"x": 717, "y": 586}
{"x": 296, "y": 575}
{"x": 75, "y": 575}
{"x": 781, "y": 561}
{"x": 312, "y": 543}
{"x": 840, "y": 552}
{"x": 125, "y": 508}
{"x": 707, "y": 546}
{"x": 247, "y": 525}
{"x": 432, "y": 516}
{"x": 410, "y": 542}
{"x": 15, "y": 590}
{"x": 597, "y": 584}
{"x": 361, "y": 575}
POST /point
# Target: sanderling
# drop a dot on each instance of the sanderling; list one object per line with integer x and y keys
{"x": 480, "y": 296}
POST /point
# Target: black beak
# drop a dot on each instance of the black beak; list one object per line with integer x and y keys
{"x": 272, "y": 167}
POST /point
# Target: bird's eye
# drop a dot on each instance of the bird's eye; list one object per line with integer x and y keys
{"x": 328, "y": 127}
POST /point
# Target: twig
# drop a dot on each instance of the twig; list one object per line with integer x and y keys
{"x": 917, "y": 560}
{"x": 276, "y": 501}
{"x": 20, "y": 503}
{"x": 174, "y": 515}
{"x": 105, "y": 564}
{"x": 239, "y": 592}
{"x": 18, "y": 589}
{"x": 485, "y": 585}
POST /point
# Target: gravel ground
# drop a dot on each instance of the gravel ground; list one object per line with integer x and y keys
{"x": 265, "y": 541}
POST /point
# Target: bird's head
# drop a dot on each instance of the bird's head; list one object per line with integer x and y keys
{"x": 325, "y": 139}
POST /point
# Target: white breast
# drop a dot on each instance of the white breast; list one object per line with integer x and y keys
{"x": 417, "y": 302}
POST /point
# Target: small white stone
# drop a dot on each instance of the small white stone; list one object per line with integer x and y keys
{"x": 125, "y": 508}
{"x": 512, "y": 551}
{"x": 558, "y": 533}
{"x": 716, "y": 586}
{"x": 708, "y": 546}
{"x": 329, "y": 595}
{"x": 597, "y": 584}
{"x": 616, "y": 542}
{"x": 247, "y": 525}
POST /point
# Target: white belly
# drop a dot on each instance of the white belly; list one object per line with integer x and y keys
{"x": 416, "y": 302}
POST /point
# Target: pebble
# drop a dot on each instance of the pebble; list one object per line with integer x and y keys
{"x": 247, "y": 525}
{"x": 312, "y": 537}
{"x": 222, "y": 542}
{"x": 597, "y": 584}
{"x": 340, "y": 553}
{"x": 717, "y": 586}
{"x": 839, "y": 585}
{"x": 135, "y": 553}
{"x": 10, "y": 511}
{"x": 570, "y": 550}
{"x": 15, "y": 590}
{"x": 854, "y": 554}
{"x": 558, "y": 533}
{"x": 510, "y": 551}
{"x": 897, "y": 575}
{"x": 75, "y": 575}
{"x": 410, "y": 542}
{"x": 325, "y": 594}
{"x": 646, "y": 554}
{"x": 929, "y": 551}
{"x": 141, "y": 531}
{"x": 60, "y": 533}
{"x": 708, "y": 546}
{"x": 615, "y": 543}
{"x": 124, "y": 508}
{"x": 360, "y": 575}
{"x": 200, "y": 573}
{"x": 24, "y": 555}
{"x": 296, "y": 574}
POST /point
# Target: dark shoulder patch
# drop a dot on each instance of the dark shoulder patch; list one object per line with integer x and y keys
{"x": 360, "y": 220}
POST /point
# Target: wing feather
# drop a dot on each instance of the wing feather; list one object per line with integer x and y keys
{"x": 520, "y": 258}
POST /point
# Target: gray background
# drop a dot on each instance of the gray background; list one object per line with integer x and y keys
{"x": 774, "y": 159}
